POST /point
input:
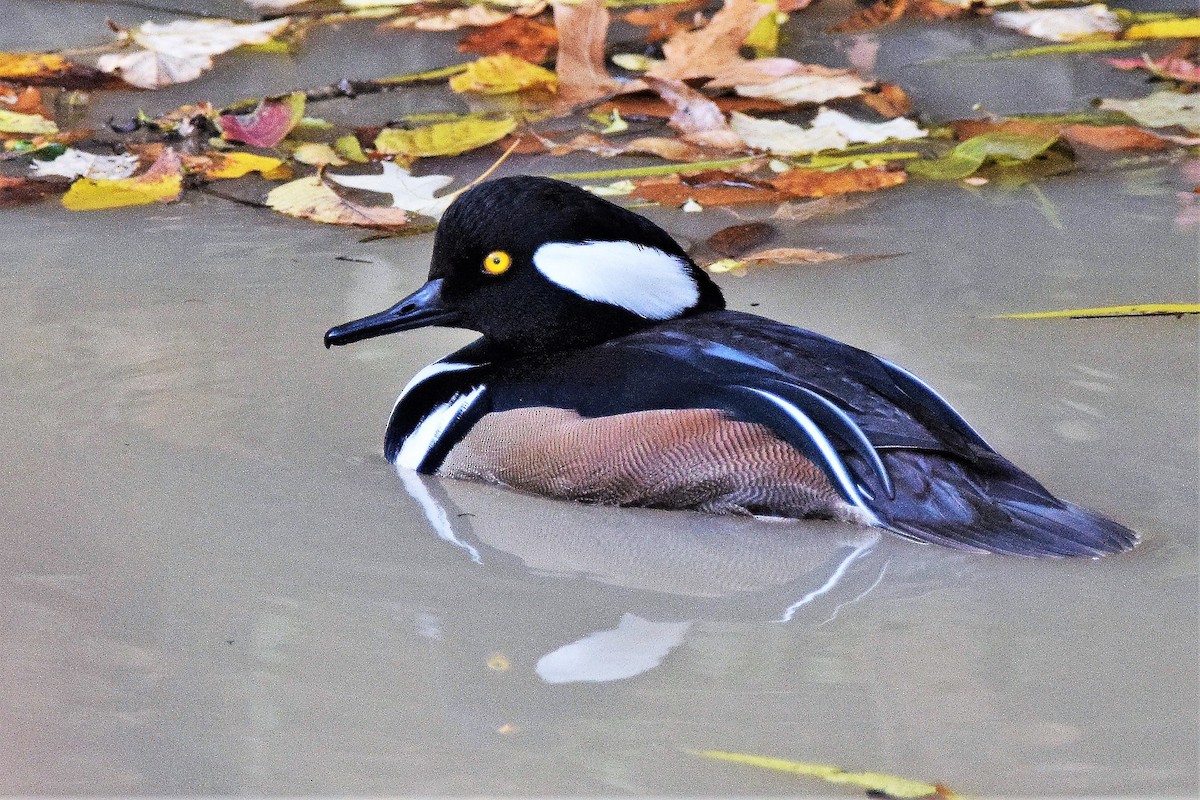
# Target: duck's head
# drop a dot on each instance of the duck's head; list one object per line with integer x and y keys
{"x": 536, "y": 264}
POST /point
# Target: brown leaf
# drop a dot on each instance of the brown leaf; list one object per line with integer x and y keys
{"x": 49, "y": 69}
{"x": 1114, "y": 137}
{"x": 696, "y": 117}
{"x": 21, "y": 99}
{"x": 791, "y": 255}
{"x": 706, "y": 188}
{"x": 522, "y": 37}
{"x": 582, "y": 76}
{"x": 663, "y": 21}
{"x": 735, "y": 240}
{"x": 888, "y": 100}
{"x": 713, "y": 48}
{"x": 815, "y": 183}
{"x": 19, "y": 191}
{"x": 822, "y": 206}
{"x": 880, "y": 13}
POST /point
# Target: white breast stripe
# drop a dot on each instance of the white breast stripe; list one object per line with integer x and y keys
{"x": 430, "y": 429}
{"x": 644, "y": 280}
{"x": 436, "y": 368}
{"x": 823, "y": 444}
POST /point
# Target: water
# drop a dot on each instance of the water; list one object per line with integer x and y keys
{"x": 213, "y": 583}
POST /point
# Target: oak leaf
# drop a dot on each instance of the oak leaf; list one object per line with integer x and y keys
{"x": 408, "y": 192}
{"x": 707, "y": 51}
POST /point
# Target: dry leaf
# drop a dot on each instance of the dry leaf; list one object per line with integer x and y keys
{"x": 968, "y": 128}
{"x": 20, "y": 191}
{"x": 633, "y": 106}
{"x": 49, "y": 69}
{"x": 857, "y": 131}
{"x": 444, "y": 138}
{"x": 1160, "y": 110}
{"x": 816, "y": 183}
{"x": 1113, "y": 137}
{"x": 663, "y": 22}
{"x": 735, "y": 240}
{"x": 784, "y": 138}
{"x": 220, "y": 166}
{"x": 503, "y": 74}
{"x": 312, "y": 198}
{"x": 880, "y": 13}
{"x": 706, "y": 52}
{"x": 162, "y": 183}
{"x": 696, "y": 117}
{"x": 706, "y": 188}
{"x": 1060, "y": 24}
{"x": 475, "y": 16}
{"x": 21, "y": 99}
{"x": 74, "y": 163}
{"x": 14, "y": 122}
{"x": 813, "y": 89}
{"x": 1170, "y": 67}
{"x": 888, "y": 100}
{"x": 408, "y": 192}
{"x": 582, "y": 29}
{"x": 522, "y": 37}
{"x": 267, "y": 124}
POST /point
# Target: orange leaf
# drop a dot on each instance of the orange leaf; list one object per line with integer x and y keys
{"x": 1114, "y": 137}
{"x": 966, "y": 128}
{"x": 707, "y": 189}
{"x": 21, "y": 100}
{"x": 880, "y": 13}
{"x": 815, "y": 183}
{"x": 48, "y": 69}
{"x": 889, "y": 100}
{"x": 663, "y": 21}
{"x": 19, "y": 191}
{"x": 522, "y": 37}
{"x": 706, "y": 52}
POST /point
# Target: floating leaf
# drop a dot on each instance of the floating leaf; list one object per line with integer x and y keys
{"x": 476, "y": 16}
{"x": 854, "y": 130}
{"x": 661, "y": 169}
{"x": 710, "y": 50}
{"x": 14, "y": 122}
{"x": 72, "y": 163}
{"x": 696, "y": 117}
{"x": 998, "y": 146}
{"x": 349, "y": 148}
{"x": 736, "y": 240}
{"x": 522, "y": 37}
{"x": 582, "y": 76}
{"x": 806, "y": 89}
{"x": 1169, "y": 67}
{"x": 784, "y": 138}
{"x": 408, "y": 192}
{"x": 266, "y": 125}
{"x": 19, "y": 191}
{"x": 819, "y": 183}
{"x": 889, "y": 785}
{"x": 707, "y": 188}
{"x": 219, "y": 166}
{"x": 444, "y": 138}
{"x": 1186, "y": 28}
{"x": 1160, "y": 110}
{"x": 50, "y": 69}
{"x": 317, "y": 154}
{"x": 1141, "y": 310}
{"x": 312, "y": 198}
{"x": 162, "y": 183}
{"x": 888, "y": 100}
{"x": 1060, "y": 24}
{"x": 503, "y": 74}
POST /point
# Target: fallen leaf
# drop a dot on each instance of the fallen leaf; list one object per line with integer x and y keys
{"x": 74, "y": 163}
{"x": 408, "y": 192}
{"x": 444, "y": 138}
{"x": 582, "y": 30}
{"x": 706, "y": 188}
{"x": 1060, "y": 24}
{"x": 736, "y": 240}
{"x": 350, "y": 148}
{"x": 663, "y": 22}
{"x": 161, "y": 183}
{"x": 182, "y": 50}
{"x": 706, "y": 52}
{"x": 784, "y": 138}
{"x": 665, "y": 148}
{"x": 1160, "y": 110}
{"x": 50, "y": 69}
{"x": 888, "y": 785}
{"x": 1186, "y": 28}
{"x": 745, "y": 164}
{"x": 15, "y": 122}
{"x": 21, "y": 99}
{"x": 763, "y": 38}
{"x": 317, "y": 154}
{"x": 696, "y": 117}
{"x": 20, "y": 191}
{"x": 522, "y": 37}
{"x": 822, "y": 206}
{"x": 476, "y": 16}
{"x": 1113, "y": 137}
{"x": 503, "y": 74}
{"x": 888, "y": 100}
{"x": 220, "y": 166}
{"x": 642, "y": 106}
{"x": 797, "y": 89}
{"x": 1140, "y": 310}
{"x": 854, "y": 130}
{"x": 967, "y": 128}
{"x": 873, "y": 16}
{"x": 312, "y": 198}
{"x": 1001, "y": 147}
{"x": 801, "y": 182}
{"x": 268, "y": 124}
{"x": 1170, "y": 67}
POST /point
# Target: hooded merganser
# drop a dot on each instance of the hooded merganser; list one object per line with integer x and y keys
{"x": 609, "y": 371}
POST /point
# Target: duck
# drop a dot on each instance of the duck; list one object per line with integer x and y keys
{"x": 609, "y": 370}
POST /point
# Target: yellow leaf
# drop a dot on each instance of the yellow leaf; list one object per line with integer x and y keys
{"x": 349, "y": 148}
{"x": 871, "y": 781}
{"x": 12, "y": 122}
{"x": 312, "y": 198}
{"x": 503, "y": 74}
{"x": 31, "y": 65}
{"x": 444, "y": 138}
{"x": 317, "y": 154}
{"x": 162, "y": 183}
{"x": 236, "y": 165}
{"x": 1165, "y": 29}
{"x": 1143, "y": 310}
{"x": 764, "y": 36}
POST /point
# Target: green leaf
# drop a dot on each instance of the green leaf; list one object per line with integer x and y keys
{"x": 1002, "y": 148}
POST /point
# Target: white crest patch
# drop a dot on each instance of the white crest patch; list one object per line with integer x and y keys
{"x": 638, "y": 278}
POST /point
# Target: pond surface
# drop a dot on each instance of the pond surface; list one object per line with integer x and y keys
{"x": 214, "y": 584}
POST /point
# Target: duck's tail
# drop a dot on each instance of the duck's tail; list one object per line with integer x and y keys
{"x": 989, "y": 506}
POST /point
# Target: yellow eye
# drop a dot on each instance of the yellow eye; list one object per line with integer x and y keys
{"x": 497, "y": 262}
